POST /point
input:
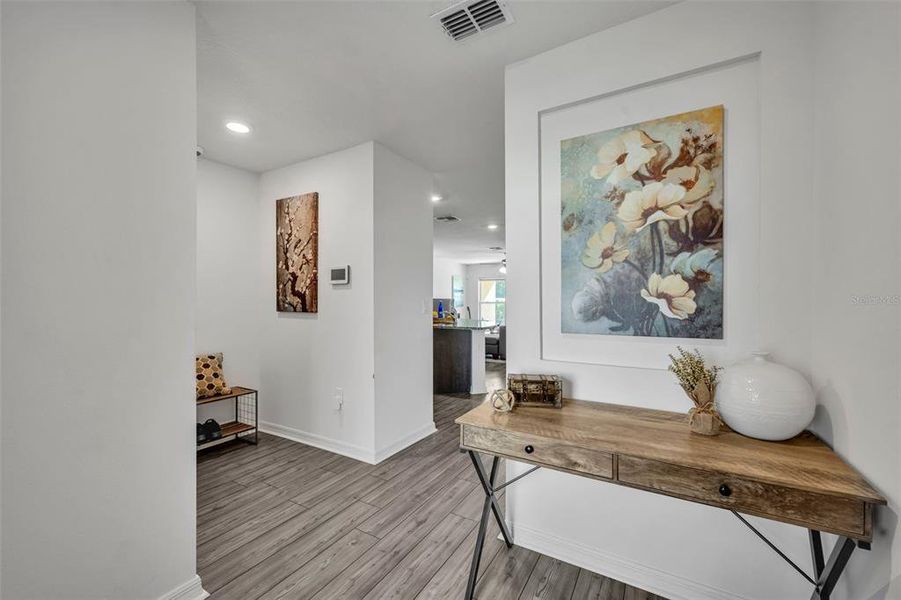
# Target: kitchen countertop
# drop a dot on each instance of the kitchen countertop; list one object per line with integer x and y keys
{"x": 464, "y": 324}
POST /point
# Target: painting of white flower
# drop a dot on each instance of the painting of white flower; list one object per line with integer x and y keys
{"x": 619, "y": 158}
{"x": 602, "y": 250}
{"x": 642, "y": 228}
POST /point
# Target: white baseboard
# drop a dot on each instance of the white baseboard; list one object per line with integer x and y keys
{"x": 407, "y": 440}
{"x": 319, "y": 441}
{"x": 343, "y": 448}
{"x": 189, "y": 590}
{"x": 635, "y": 574}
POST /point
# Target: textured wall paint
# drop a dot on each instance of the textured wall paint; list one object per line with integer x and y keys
{"x": 403, "y": 321}
{"x": 855, "y": 347}
{"x": 98, "y": 299}
{"x": 637, "y": 535}
{"x": 443, "y": 270}
{"x": 229, "y": 281}
{"x": 369, "y": 219}
{"x": 304, "y": 357}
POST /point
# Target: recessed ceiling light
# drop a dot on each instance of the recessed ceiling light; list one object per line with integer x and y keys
{"x": 492, "y": 226}
{"x": 436, "y": 198}
{"x": 237, "y": 127}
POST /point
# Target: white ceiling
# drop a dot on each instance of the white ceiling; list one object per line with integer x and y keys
{"x": 316, "y": 77}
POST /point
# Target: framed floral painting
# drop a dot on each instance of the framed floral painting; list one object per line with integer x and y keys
{"x": 642, "y": 229}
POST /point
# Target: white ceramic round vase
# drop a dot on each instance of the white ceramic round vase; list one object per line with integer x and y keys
{"x": 764, "y": 400}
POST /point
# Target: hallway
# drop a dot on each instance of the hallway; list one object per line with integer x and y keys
{"x": 286, "y": 520}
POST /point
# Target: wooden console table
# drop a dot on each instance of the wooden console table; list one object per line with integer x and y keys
{"x": 800, "y": 481}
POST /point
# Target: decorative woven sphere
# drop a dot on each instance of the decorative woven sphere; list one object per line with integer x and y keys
{"x": 502, "y": 400}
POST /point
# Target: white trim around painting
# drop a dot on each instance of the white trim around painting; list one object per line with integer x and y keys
{"x": 735, "y": 86}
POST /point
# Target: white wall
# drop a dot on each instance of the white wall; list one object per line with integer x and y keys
{"x": 473, "y": 274}
{"x": 443, "y": 270}
{"x": 304, "y": 357}
{"x": 403, "y": 303}
{"x": 229, "y": 282}
{"x": 98, "y": 243}
{"x": 374, "y": 215}
{"x": 855, "y": 346}
{"x": 1, "y": 296}
{"x": 674, "y": 548}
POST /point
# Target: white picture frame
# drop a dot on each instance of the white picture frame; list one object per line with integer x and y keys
{"x": 735, "y": 86}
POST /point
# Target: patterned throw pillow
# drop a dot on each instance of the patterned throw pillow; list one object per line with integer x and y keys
{"x": 210, "y": 380}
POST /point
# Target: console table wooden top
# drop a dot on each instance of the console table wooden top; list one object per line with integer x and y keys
{"x": 800, "y": 481}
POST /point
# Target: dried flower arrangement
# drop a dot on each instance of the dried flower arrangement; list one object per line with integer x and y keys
{"x": 699, "y": 382}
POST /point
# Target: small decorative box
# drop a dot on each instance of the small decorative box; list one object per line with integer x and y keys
{"x": 536, "y": 390}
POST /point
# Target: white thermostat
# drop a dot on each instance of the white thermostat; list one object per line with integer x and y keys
{"x": 339, "y": 275}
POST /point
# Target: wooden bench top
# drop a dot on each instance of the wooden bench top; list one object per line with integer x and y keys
{"x": 236, "y": 391}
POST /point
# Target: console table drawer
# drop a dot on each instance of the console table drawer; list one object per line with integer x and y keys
{"x": 549, "y": 453}
{"x": 825, "y": 513}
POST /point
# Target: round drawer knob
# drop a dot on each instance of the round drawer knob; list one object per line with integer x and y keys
{"x": 725, "y": 490}
{"x": 529, "y": 449}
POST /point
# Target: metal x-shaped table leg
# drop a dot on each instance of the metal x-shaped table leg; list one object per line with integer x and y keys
{"x": 490, "y": 506}
{"x": 828, "y": 572}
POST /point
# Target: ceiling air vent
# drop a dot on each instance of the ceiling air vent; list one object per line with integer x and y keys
{"x": 464, "y": 19}
{"x": 447, "y": 219}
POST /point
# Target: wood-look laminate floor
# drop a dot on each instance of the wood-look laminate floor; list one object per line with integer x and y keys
{"x": 286, "y": 520}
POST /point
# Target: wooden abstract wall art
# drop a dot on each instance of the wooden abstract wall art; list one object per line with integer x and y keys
{"x": 297, "y": 254}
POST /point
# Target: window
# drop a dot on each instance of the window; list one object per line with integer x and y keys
{"x": 493, "y": 301}
{"x": 457, "y": 292}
